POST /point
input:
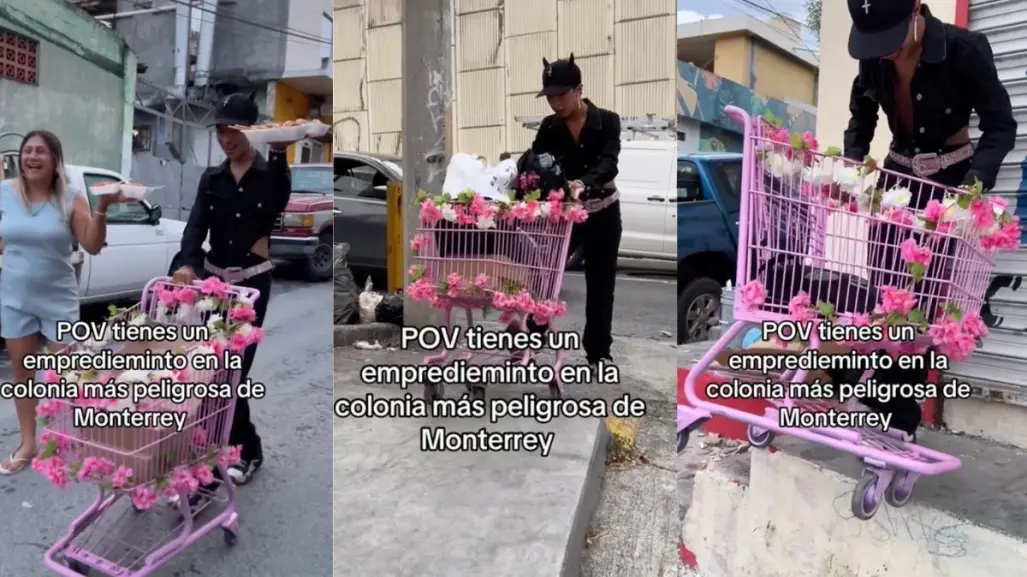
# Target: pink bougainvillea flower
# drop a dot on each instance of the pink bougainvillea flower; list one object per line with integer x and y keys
{"x": 799, "y": 308}
{"x": 481, "y": 281}
{"x": 144, "y": 498}
{"x": 913, "y": 253}
{"x": 753, "y": 295}
{"x": 934, "y": 211}
{"x": 981, "y": 213}
{"x": 895, "y": 301}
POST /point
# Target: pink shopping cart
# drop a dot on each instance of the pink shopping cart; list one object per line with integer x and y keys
{"x": 820, "y": 240}
{"x": 118, "y": 535}
{"x": 477, "y": 254}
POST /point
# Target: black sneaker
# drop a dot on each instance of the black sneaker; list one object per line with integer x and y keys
{"x": 243, "y": 471}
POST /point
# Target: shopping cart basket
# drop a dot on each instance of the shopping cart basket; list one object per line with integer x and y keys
{"x": 142, "y": 464}
{"x": 822, "y": 241}
{"x": 475, "y": 254}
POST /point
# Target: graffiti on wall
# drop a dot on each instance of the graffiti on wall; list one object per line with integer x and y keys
{"x": 702, "y": 95}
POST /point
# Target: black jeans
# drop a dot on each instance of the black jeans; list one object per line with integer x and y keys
{"x": 243, "y": 432}
{"x": 599, "y": 236}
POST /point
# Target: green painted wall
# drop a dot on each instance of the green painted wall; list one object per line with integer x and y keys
{"x": 86, "y": 83}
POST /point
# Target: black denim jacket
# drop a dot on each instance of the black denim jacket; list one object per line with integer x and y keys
{"x": 956, "y": 75}
{"x": 593, "y": 160}
{"x": 236, "y": 214}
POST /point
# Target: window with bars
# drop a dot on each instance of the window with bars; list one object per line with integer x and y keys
{"x": 18, "y": 58}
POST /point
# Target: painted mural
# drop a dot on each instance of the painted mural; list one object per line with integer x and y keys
{"x": 702, "y": 95}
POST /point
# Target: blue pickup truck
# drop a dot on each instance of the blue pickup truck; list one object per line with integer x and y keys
{"x": 709, "y": 186}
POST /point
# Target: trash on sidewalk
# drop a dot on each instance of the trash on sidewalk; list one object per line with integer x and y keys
{"x": 345, "y": 289}
{"x": 366, "y": 346}
{"x": 380, "y": 307}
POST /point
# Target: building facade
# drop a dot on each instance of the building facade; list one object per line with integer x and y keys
{"x": 766, "y": 57}
{"x": 73, "y": 76}
{"x": 497, "y": 55}
{"x": 746, "y": 62}
{"x": 195, "y": 53}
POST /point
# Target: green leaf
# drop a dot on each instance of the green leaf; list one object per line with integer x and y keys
{"x": 418, "y": 272}
{"x": 511, "y": 195}
{"x": 917, "y": 316}
{"x": 833, "y": 151}
{"x": 112, "y": 311}
{"x": 795, "y": 140}
{"x": 918, "y": 271}
{"x": 953, "y": 311}
{"x": 533, "y": 195}
{"x": 964, "y": 201}
{"x": 422, "y": 195}
{"x": 826, "y": 310}
{"x": 1005, "y": 219}
{"x": 930, "y": 225}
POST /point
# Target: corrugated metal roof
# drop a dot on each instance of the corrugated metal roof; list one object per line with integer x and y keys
{"x": 479, "y": 99}
{"x": 645, "y": 50}
{"x": 531, "y": 16}
{"x": 384, "y": 12}
{"x": 524, "y": 61}
{"x": 385, "y": 53}
{"x": 387, "y": 108}
{"x": 489, "y": 142}
{"x": 646, "y": 98}
{"x": 588, "y": 27}
{"x": 479, "y": 41}
{"x": 348, "y": 34}
{"x": 348, "y": 86}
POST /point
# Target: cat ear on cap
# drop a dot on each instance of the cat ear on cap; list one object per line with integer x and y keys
{"x": 570, "y": 59}
{"x": 545, "y": 62}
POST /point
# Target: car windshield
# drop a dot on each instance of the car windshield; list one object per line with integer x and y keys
{"x": 394, "y": 167}
{"x": 312, "y": 179}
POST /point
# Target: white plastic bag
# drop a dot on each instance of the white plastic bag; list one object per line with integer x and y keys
{"x": 466, "y": 172}
{"x": 367, "y": 302}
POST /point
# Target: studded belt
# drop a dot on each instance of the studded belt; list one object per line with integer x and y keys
{"x": 925, "y": 165}
{"x": 237, "y": 274}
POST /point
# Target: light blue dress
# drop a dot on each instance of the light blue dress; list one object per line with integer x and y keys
{"x": 38, "y": 287}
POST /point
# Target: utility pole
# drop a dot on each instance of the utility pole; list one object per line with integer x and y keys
{"x": 427, "y": 96}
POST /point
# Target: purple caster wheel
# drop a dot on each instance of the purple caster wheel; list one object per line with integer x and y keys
{"x": 900, "y": 490}
{"x": 759, "y": 438}
{"x": 865, "y": 501}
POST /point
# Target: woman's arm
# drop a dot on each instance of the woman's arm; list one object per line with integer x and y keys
{"x": 90, "y": 229}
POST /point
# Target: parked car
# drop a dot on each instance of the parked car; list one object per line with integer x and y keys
{"x": 303, "y": 233}
{"x": 649, "y": 213}
{"x": 708, "y": 195}
{"x": 361, "y": 181}
{"x": 141, "y": 244}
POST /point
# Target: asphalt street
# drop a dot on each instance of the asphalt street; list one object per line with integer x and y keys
{"x": 286, "y": 529}
{"x": 645, "y": 305}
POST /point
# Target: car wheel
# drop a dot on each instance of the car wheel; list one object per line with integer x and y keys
{"x": 319, "y": 264}
{"x": 698, "y": 309}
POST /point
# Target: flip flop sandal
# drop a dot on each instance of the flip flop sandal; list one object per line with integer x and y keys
{"x": 16, "y": 464}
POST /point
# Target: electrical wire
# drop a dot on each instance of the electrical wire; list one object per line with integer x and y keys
{"x": 768, "y": 9}
{"x": 292, "y": 35}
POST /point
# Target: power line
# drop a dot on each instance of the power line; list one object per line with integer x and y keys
{"x": 293, "y": 35}
{"x": 767, "y": 8}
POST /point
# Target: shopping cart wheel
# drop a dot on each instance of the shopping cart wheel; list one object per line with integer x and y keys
{"x": 900, "y": 489}
{"x": 554, "y": 390}
{"x": 433, "y": 392}
{"x": 78, "y": 567}
{"x": 230, "y": 536}
{"x": 477, "y": 392}
{"x": 759, "y": 438}
{"x": 865, "y": 501}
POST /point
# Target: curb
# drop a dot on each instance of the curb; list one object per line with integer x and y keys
{"x": 588, "y": 502}
{"x": 385, "y": 333}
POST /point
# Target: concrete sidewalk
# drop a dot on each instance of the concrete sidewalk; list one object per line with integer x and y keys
{"x": 403, "y": 512}
{"x": 767, "y": 513}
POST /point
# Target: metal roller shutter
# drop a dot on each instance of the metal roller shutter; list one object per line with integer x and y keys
{"x": 1000, "y": 365}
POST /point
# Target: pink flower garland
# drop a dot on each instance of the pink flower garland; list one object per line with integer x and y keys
{"x": 518, "y": 301}
{"x": 476, "y": 210}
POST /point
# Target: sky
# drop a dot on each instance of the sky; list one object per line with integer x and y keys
{"x": 695, "y": 10}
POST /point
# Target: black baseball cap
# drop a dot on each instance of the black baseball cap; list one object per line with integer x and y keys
{"x": 559, "y": 77}
{"x": 879, "y": 27}
{"x": 236, "y": 110}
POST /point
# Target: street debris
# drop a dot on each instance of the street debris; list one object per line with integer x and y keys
{"x": 366, "y": 346}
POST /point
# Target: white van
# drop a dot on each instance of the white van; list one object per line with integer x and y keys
{"x": 141, "y": 244}
{"x": 647, "y": 181}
